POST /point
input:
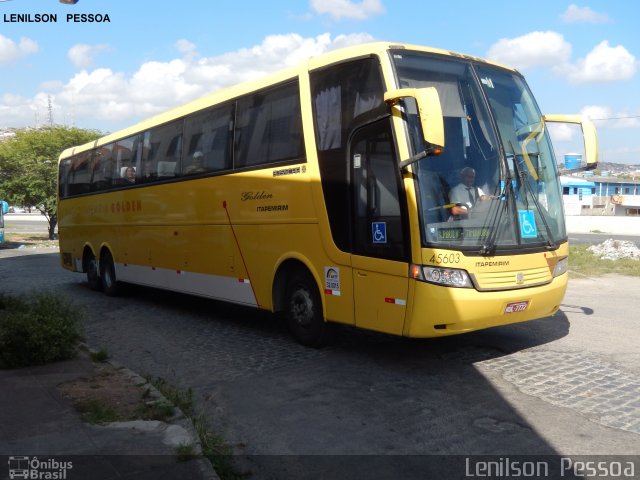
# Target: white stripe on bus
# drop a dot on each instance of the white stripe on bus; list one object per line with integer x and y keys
{"x": 231, "y": 289}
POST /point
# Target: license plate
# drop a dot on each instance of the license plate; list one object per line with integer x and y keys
{"x": 515, "y": 307}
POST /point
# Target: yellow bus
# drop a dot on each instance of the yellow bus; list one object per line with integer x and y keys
{"x": 329, "y": 193}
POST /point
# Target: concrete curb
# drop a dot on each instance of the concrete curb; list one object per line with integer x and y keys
{"x": 177, "y": 430}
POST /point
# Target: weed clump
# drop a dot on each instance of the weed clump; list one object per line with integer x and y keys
{"x": 37, "y": 329}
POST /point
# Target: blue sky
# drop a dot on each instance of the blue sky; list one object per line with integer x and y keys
{"x": 152, "y": 55}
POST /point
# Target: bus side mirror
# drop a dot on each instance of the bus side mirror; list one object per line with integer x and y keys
{"x": 589, "y": 135}
{"x": 429, "y": 112}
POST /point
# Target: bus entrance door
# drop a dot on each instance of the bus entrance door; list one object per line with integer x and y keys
{"x": 379, "y": 249}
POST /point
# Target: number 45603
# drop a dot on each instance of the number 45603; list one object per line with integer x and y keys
{"x": 445, "y": 258}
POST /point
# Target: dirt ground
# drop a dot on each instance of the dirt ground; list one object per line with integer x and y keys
{"x": 30, "y": 240}
{"x": 109, "y": 394}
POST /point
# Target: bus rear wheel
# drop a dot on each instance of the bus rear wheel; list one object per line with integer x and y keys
{"x": 303, "y": 312}
{"x": 108, "y": 274}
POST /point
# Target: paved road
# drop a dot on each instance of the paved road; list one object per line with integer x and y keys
{"x": 597, "y": 238}
{"x": 25, "y": 223}
{"x": 564, "y": 385}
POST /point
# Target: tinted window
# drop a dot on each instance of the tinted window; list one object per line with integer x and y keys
{"x": 161, "y": 152}
{"x": 126, "y": 155}
{"x": 341, "y": 95}
{"x": 269, "y": 127}
{"x": 207, "y": 141}
{"x": 63, "y": 180}
{"x": 344, "y": 96}
{"x": 377, "y": 193}
{"x": 104, "y": 173}
{"x": 80, "y": 174}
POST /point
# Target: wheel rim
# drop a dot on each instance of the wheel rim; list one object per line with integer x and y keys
{"x": 108, "y": 280}
{"x": 302, "y": 308}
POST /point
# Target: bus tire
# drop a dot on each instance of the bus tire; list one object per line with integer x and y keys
{"x": 303, "y": 311}
{"x": 93, "y": 273}
{"x": 108, "y": 274}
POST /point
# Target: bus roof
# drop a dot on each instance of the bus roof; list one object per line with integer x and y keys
{"x": 229, "y": 93}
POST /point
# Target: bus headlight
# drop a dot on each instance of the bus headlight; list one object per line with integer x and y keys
{"x": 561, "y": 267}
{"x": 449, "y": 277}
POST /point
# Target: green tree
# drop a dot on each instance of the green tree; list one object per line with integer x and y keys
{"x": 29, "y": 167}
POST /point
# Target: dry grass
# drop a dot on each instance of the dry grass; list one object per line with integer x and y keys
{"x": 583, "y": 262}
{"x": 27, "y": 240}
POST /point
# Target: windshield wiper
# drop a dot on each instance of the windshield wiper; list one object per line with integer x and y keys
{"x": 524, "y": 183}
{"x": 549, "y": 238}
{"x": 488, "y": 248}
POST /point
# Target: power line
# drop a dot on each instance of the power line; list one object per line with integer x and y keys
{"x": 616, "y": 118}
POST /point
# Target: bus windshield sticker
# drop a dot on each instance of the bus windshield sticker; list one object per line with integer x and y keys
{"x": 357, "y": 161}
{"x": 459, "y": 233}
{"x": 379, "y": 232}
{"x": 332, "y": 281}
{"x": 527, "y": 224}
{"x": 487, "y": 81}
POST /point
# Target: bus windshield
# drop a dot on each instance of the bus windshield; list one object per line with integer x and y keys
{"x": 495, "y": 185}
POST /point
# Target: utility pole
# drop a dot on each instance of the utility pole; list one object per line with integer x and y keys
{"x": 49, "y": 111}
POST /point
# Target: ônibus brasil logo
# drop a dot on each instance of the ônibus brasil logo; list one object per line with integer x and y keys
{"x": 28, "y": 468}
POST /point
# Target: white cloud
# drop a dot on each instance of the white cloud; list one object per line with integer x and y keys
{"x": 110, "y": 97}
{"x": 601, "y": 65}
{"x": 11, "y": 51}
{"x": 186, "y": 48}
{"x": 575, "y": 14}
{"x": 83, "y": 55}
{"x": 531, "y": 50}
{"x": 595, "y": 112}
{"x": 561, "y": 132}
{"x": 549, "y": 49}
{"x": 339, "y": 9}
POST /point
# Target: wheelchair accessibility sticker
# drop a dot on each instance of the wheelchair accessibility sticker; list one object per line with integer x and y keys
{"x": 379, "y": 232}
{"x": 527, "y": 224}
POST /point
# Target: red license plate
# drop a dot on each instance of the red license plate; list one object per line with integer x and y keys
{"x": 515, "y": 307}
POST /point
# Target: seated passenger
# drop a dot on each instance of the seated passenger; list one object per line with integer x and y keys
{"x": 197, "y": 164}
{"x": 130, "y": 174}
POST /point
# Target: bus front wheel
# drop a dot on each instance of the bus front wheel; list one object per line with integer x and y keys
{"x": 108, "y": 274}
{"x": 303, "y": 312}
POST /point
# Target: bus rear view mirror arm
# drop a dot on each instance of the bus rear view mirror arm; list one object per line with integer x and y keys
{"x": 589, "y": 134}
{"x": 430, "y": 115}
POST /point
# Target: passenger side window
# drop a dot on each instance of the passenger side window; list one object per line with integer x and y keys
{"x": 162, "y": 149}
{"x": 344, "y": 96}
{"x": 126, "y": 155}
{"x": 269, "y": 127}
{"x": 64, "y": 177}
{"x": 80, "y": 174}
{"x": 207, "y": 141}
{"x": 103, "y": 168}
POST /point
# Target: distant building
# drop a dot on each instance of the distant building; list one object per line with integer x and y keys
{"x": 577, "y": 194}
{"x": 603, "y": 195}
